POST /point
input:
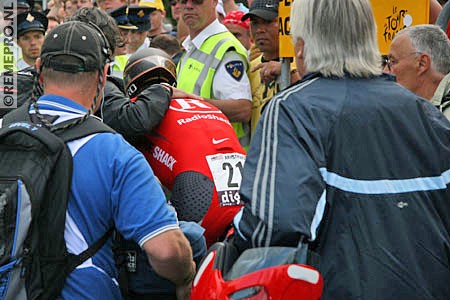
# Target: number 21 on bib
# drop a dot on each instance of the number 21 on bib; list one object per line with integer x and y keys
{"x": 226, "y": 170}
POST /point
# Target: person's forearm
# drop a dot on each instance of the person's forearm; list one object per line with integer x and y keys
{"x": 135, "y": 118}
{"x": 236, "y": 110}
{"x": 229, "y": 5}
{"x": 175, "y": 265}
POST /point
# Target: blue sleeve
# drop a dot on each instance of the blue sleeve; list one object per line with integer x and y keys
{"x": 141, "y": 208}
{"x": 119, "y": 188}
{"x": 282, "y": 186}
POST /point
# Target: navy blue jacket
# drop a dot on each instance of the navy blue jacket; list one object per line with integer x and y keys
{"x": 361, "y": 168}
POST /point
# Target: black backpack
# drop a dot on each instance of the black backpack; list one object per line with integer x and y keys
{"x": 35, "y": 178}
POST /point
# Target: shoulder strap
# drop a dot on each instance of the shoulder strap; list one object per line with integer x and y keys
{"x": 18, "y": 114}
{"x": 90, "y": 126}
{"x": 76, "y": 260}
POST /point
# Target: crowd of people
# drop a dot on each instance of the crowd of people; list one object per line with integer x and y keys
{"x": 353, "y": 157}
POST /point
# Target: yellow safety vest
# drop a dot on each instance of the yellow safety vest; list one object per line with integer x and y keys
{"x": 197, "y": 73}
{"x": 119, "y": 65}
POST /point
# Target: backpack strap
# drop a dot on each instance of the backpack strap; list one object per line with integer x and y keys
{"x": 90, "y": 126}
{"x": 76, "y": 260}
{"x": 18, "y": 114}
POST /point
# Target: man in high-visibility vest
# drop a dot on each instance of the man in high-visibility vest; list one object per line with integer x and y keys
{"x": 215, "y": 65}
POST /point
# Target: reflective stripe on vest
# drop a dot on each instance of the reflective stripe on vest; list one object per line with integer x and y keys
{"x": 196, "y": 73}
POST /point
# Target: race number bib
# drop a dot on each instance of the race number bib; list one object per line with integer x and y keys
{"x": 226, "y": 170}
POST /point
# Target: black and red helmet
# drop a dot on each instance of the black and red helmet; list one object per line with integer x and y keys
{"x": 146, "y": 67}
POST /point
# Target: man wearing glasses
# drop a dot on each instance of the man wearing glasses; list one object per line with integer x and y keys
{"x": 419, "y": 57}
{"x": 215, "y": 65}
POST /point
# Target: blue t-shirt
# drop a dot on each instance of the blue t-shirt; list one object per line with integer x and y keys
{"x": 112, "y": 186}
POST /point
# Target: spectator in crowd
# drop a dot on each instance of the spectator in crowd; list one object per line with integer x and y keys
{"x": 110, "y": 4}
{"x": 52, "y": 23}
{"x": 221, "y": 81}
{"x": 139, "y": 17}
{"x": 240, "y": 29}
{"x": 181, "y": 29}
{"x": 231, "y": 5}
{"x": 70, "y": 6}
{"x": 220, "y": 12}
{"x": 265, "y": 70}
{"x": 156, "y": 17}
{"x": 122, "y": 190}
{"x": 56, "y": 8}
{"x": 85, "y": 3}
{"x": 419, "y": 57}
{"x": 367, "y": 162}
{"x": 31, "y": 28}
{"x": 23, "y": 6}
{"x": 169, "y": 43}
{"x": 435, "y": 10}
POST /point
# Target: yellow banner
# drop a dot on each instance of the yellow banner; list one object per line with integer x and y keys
{"x": 393, "y": 15}
{"x": 285, "y": 41}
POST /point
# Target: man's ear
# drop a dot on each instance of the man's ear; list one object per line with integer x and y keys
{"x": 38, "y": 63}
{"x": 299, "y": 48}
{"x": 424, "y": 62}
{"x": 105, "y": 74}
{"x": 38, "y": 68}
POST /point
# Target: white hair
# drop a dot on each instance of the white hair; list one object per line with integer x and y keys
{"x": 430, "y": 39}
{"x": 339, "y": 36}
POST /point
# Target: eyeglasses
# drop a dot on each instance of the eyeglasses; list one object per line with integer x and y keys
{"x": 195, "y": 2}
{"x": 173, "y": 2}
{"x": 389, "y": 61}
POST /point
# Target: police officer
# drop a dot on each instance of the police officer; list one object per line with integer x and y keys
{"x": 31, "y": 28}
{"x": 222, "y": 81}
{"x": 140, "y": 17}
{"x": 120, "y": 15}
{"x": 8, "y": 46}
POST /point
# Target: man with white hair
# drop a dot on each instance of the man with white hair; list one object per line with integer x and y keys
{"x": 352, "y": 163}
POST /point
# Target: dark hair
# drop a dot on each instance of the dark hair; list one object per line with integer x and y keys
{"x": 166, "y": 42}
{"x": 105, "y": 22}
{"x": 54, "y": 18}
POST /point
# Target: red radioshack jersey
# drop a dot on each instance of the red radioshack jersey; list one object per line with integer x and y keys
{"x": 196, "y": 136}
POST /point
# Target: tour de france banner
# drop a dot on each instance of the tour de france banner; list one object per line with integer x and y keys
{"x": 392, "y": 16}
{"x": 284, "y": 29}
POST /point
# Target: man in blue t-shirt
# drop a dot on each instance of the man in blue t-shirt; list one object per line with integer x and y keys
{"x": 112, "y": 184}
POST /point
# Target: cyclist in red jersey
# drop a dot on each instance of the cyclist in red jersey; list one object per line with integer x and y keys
{"x": 194, "y": 151}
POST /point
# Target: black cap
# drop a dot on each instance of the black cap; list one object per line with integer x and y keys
{"x": 31, "y": 21}
{"x": 74, "y": 47}
{"x": 120, "y": 15}
{"x": 140, "y": 17}
{"x": 265, "y": 9}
